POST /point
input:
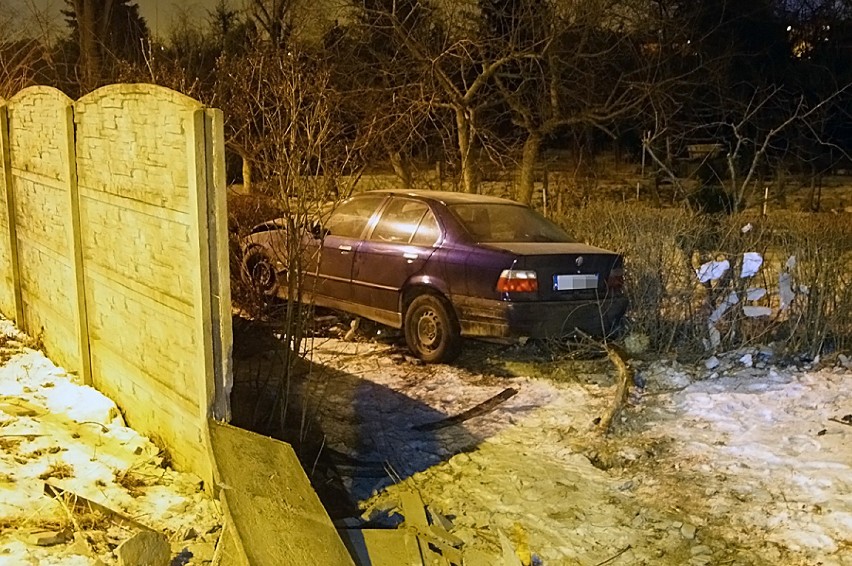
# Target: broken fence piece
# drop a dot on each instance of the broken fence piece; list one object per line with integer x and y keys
{"x": 480, "y": 409}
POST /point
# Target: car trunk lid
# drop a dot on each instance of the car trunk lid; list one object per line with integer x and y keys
{"x": 566, "y": 271}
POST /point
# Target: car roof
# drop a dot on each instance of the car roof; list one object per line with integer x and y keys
{"x": 446, "y": 197}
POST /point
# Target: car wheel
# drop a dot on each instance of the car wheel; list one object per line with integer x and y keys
{"x": 261, "y": 274}
{"x": 431, "y": 329}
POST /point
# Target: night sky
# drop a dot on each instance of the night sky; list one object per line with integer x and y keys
{"x": 158, "y": 13}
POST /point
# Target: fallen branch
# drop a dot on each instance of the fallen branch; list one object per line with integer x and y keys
{"x": 481, "y": 409}
{"x": 625, "y": 376}
{"x": 616, "y": 555}
{"x": 834, "y": 420}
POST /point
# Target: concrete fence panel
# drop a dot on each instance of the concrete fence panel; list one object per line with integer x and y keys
{"x": 114, "y": 240}
{"x": 40, "y": 145}
{"x": 137, "y": 152}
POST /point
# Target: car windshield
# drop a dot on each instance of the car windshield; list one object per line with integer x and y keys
{"x": 497, "y": 222}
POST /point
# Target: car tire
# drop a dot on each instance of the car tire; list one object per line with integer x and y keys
{"x": 431, "y": 329}
{"x": 261, "y": 273}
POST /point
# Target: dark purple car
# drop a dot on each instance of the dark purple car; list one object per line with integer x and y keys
{"x": 442, "y": 265}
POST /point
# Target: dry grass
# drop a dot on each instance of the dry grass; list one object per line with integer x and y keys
{"x": 132, "y": 481}
{"x": 57, "y": 470}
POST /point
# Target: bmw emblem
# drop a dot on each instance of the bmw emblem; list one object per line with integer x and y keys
{"x": 579, "y": 261}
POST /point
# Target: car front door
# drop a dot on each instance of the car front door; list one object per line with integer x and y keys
{"x": 341, "y": 235}
{"x": 397, "y": 248}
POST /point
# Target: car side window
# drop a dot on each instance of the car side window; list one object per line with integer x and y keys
{"x": 428, "y": 232}
{"x": 350, "y": 218}
{"x": 399, "y": 221}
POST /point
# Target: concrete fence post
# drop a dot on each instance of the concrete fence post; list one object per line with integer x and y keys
{"x": 219, "y": 249}
{"x": 81, "y": 323}
{"x": 198, "y": 180}
{"x": 9, "y": 192}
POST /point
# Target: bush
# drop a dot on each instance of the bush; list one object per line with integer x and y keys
{"x": 808, "y": 298}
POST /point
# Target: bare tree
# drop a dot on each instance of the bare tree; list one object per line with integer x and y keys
{"x": 274, "y": 17}
{"x": 590, "y": 73}
{"x": 284, "y": 114}
{"x": 24, "y": 54}
{"x": 455, "y": 69}
{"x": 753, "y": 135}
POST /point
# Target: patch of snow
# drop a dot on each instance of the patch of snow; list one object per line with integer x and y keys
{"x": 56, "y": 431}
{"x": 746, "y": 468}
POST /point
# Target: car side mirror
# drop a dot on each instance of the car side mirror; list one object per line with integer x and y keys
{"x": 318, "y": 231}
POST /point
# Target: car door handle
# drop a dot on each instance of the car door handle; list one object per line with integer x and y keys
{"x": 409, "y": 255}
{"x": 344, "y": 248}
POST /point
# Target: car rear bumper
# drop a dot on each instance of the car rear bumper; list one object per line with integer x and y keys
{"x": 551, "y": 319}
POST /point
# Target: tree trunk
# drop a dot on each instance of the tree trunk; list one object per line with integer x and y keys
{"x": 468, "y": 170}
{"x": 93, "y": 19}
{"x": 247, "y": 184}
{"x": 90, "y": 57}
{"x": 402, "y": 169}
{"x": 526, "y": 177}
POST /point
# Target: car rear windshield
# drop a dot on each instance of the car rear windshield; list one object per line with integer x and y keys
{"x": 496, "y": 222}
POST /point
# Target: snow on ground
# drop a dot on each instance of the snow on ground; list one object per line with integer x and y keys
{"x": 730, "y": 465}
{"x": 55, "y": 431}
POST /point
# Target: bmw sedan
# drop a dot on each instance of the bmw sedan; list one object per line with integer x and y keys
{"x": 442, "y": 266}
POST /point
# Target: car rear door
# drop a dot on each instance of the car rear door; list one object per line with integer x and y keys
{"x": 397, "y": 248}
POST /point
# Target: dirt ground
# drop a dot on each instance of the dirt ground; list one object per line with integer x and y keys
{"x": 739, "y": 460}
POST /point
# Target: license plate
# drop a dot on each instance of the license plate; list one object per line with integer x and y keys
{"x": 575, "y": 282}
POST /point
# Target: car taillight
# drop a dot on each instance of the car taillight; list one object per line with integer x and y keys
{"x": 517, "y": 281}
{"x": 615, "y": 281}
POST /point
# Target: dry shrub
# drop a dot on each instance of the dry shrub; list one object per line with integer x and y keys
{"x": 659, "y": 276}
{"x": 663, "y": 248}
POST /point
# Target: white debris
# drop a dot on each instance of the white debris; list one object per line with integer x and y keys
{"x": 791, "y": 263}
{"x": 747, "y": 360}
{"x": 731, "y": 300}
{"x": 785, "y": 290}
{"x": 712, "y": 362}
{"x": 753, "y": 311}
{"x": 715, "y": 338}
{"x": 751, "y": 264}
{"x": 712, "y": 270}
{"x": 755, "y": 294}
{"x": 747, "y": 228}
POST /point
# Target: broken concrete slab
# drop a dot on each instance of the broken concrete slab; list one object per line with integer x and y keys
{"x": 145, "y": 548}
{"x": 276, "y": 516}
{"x": 50, "y": 537}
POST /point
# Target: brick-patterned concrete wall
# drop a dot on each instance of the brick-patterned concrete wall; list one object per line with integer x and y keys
{"x": 119, "y": 228}
{"x": 41, "y": 172}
